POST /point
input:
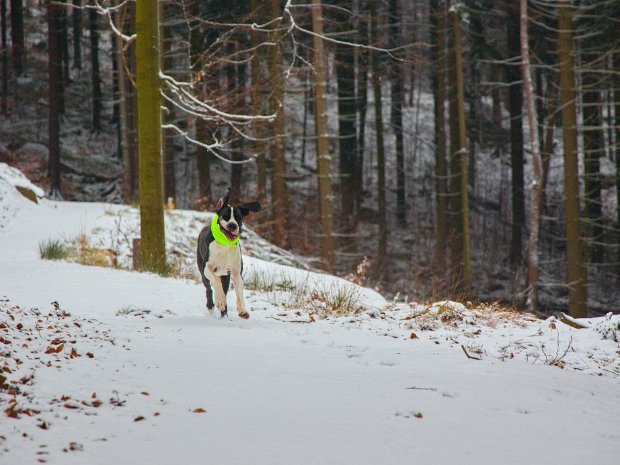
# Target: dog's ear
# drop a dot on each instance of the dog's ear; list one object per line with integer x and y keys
{"x": 246, "y": 208}
{"x": 223, "y": 201}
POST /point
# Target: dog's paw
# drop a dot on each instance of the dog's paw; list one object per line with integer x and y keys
{"x": 220, "y": 302}
{"x": 244, "y": 314}
{"x": 224, "y": 314}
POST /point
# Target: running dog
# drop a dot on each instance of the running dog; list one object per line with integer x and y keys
{"x": 219, "y": 254}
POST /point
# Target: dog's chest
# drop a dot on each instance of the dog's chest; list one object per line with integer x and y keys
{"x": 224, "y": 259}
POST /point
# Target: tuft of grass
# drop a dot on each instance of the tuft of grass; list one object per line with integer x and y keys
{"x": 336, "y": 299}
{"x": 324, "y": 299}
{"x": 93, "y": 256}
{"x": 53, "y": 249}
{"x": 269, "y": 282}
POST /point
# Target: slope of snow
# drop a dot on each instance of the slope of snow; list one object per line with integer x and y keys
{"x": 112, "y": 366}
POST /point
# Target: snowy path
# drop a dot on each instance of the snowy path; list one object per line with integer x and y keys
{"x": 272, "y": 393}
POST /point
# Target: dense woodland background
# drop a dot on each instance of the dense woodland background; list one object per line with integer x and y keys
{"x": 415, "y": 107}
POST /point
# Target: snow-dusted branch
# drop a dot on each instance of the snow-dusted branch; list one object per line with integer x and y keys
{"x": 210, "y": 147}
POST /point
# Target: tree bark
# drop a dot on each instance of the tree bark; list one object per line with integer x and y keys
{"x": 323, "y": 155}
{"x": 576, "y": 273}
{"x": 152, "y": 241}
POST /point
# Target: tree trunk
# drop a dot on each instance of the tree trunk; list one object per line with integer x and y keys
{"x": 257, "y": 96}
{"x": 77, "y": 34}
{"x": 54, "y": 21}
{"x": 276, "y": 102}
{"x": 577, "y": 290}
{"x": 362, "y": 106}
{"x": 454, "y": 185}
{"x": 324, "y": 160}
{"x": 65, "y": 43}
{"x": 4, "y": 57}
{"x": 203, "y": 132}
{"x": 345, "y": 75}
{"x": 235, "y": 83}
{"x": 17, "y": 36}
{"x": 458, "y": 164}
{"x": 381, "y": 204}
{"x": 515, "y": 107}
{"x": 438, "y": 34}
{"x": 397, "y": 113}
{"x": 617, "y": 130}
{"x": 593, "y": 147}
{"x": 126, "y": 64}
{"x": 95, "y": 72}
{"x": 536, "y": 188}
{"x": 167, "y": 60}
{"x": 152, "y": 240}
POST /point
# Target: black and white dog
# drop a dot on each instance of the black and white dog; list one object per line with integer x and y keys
{"x": 219, "y": 254}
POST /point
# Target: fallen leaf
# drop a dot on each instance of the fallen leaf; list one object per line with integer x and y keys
{"x": 552, "y": 325}
{"x": 413, "y": 336}
{"x": 89, "y": 354}
{"x": 43, "y": 425}
{"x": 144, "y": 393}
{"x": 59, "y": 348}
{"x": 199, "y": 410}
{"x": 418, "y": 415}
{"x": 140, "y": 418}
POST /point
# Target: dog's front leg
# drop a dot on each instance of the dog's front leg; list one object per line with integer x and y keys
{"x": 220, "y": 296}
{"x": 238, "y": 283}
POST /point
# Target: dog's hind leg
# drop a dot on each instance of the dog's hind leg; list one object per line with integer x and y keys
{"x": 238, "y": 283}
{"x": 225, "y": 285}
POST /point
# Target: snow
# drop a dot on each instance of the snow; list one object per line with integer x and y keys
{"x": 122, "y": 367}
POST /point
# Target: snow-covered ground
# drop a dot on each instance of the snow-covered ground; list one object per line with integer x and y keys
{"x": 110, "y": 366}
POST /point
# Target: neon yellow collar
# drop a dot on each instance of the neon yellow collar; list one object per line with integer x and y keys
{"x": 218, "y": 235}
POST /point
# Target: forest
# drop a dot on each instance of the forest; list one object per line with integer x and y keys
{"x": 426, "y": 148}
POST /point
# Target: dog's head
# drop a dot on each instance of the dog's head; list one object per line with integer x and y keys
{"x": 231, "y": 218}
